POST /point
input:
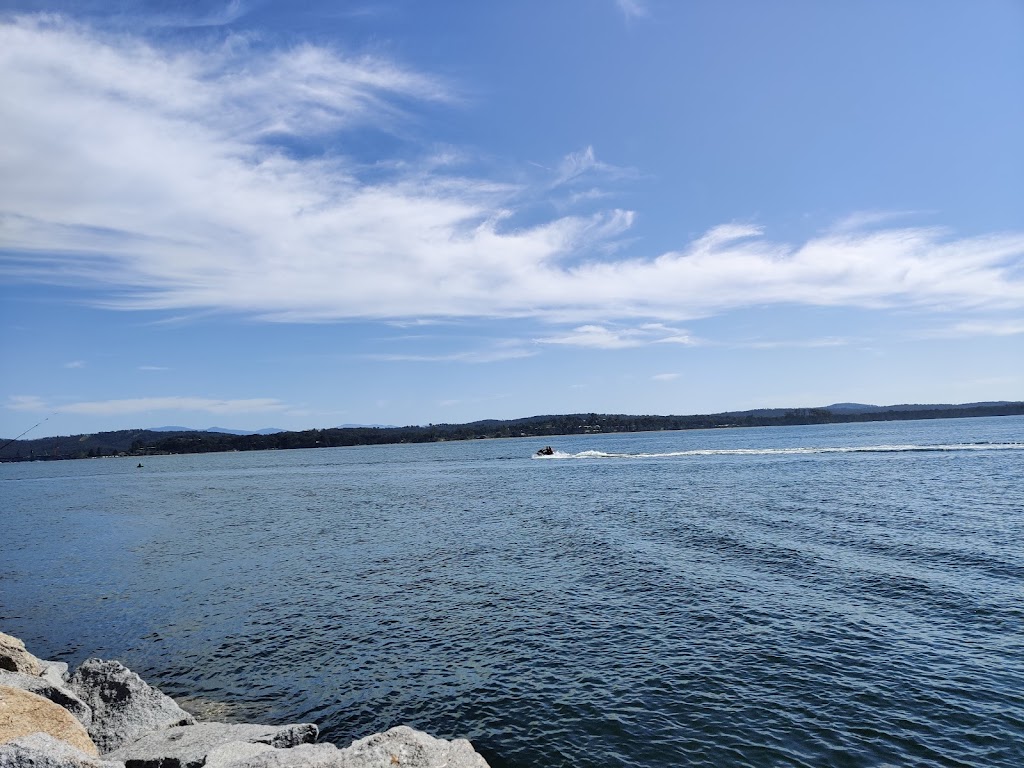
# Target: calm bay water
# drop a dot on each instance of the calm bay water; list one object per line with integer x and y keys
{"x": 846, "y": 595}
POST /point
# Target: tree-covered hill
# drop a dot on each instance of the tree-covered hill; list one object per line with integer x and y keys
{"x": 150, "y": 442}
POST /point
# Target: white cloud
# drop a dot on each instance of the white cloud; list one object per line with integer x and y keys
{"x": 158, "y": 178}
{"x": 146, "y": 404}
{"x": 665, "y": 376}
{"x": 596, "y": 336}
{"x": 417, "y": 322}
{"x": 602, "y": 337}
{"x": 153, "y": 368}
{"x": 75, "y": 364}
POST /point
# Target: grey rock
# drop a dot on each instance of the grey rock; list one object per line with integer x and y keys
{"x": 55, "y": 672}
{"x": 57, "y": 693}
{"x": 41, "y": 750}
{"x": 302, "y": 756}
{"x": 409, "y": 748}
{"x": 188, "y": 746}
{"x": 401, "y": 746}
{"x": 233, "y": 752}
{"x": 124, "y": 707}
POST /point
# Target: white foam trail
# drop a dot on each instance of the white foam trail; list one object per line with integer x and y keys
{"x": 791, "y": 451}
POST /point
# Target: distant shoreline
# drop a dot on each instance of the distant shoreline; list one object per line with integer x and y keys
{"x": 144, "y": 442}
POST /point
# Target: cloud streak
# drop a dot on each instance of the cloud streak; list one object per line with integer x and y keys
{"x": 602, "y": 337}
{"x": 632, "y": 9}
{"x": 969, "y": 328}
{"x": 495, "y": 354}
{"x": 170, "y": 180}
{"x": 794, "y": 343}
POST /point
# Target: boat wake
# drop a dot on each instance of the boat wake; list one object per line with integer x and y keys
{"x": 942, "y": 448}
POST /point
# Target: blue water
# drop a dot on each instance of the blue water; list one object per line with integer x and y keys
{"x": 844, "y": 595}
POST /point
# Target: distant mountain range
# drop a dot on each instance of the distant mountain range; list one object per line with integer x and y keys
{"x": 264, "y": 431}
{"x": 221, "y": 430}
{"x": 172, "y": 440}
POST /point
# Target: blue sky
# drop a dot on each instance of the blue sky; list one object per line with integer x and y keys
{"x": 305, "y": 214}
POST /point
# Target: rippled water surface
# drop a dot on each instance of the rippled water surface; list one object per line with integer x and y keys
{"x": 846, "y": 595}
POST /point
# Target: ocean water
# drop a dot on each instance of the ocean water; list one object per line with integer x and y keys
{"x": 842, "y": 595}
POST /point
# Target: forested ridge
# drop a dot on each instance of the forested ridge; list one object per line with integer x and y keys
{"x": 142, "y": 442}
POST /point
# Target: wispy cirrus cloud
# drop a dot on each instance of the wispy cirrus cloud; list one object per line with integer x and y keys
{"x": 632, "y": 9}
{"x": 75, "y": 364}
{"x": 162, "y": 15}
{"x": 665, "y": 376}
{"x": 224, "y": 14}
{"x": 229, "y": 13}
{"x": 864, "y": 219}
{"x": 584, "y": 164}
{"x": 511, "y": 350}
{"x": 168, "y": 179}
{"x": 147, "y": 404}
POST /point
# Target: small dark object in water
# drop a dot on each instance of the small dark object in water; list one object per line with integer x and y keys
{"x": 139, "y": 467}
{"x": 547, "y": 450}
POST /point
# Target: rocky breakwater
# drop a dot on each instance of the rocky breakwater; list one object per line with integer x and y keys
{"x": 106, "y": 716}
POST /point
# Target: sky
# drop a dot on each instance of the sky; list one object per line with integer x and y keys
{"x": 304, "y": 214}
